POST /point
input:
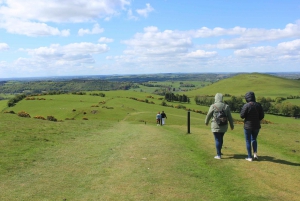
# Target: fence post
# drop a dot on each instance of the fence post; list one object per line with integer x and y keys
{"x": 188, "y": 122}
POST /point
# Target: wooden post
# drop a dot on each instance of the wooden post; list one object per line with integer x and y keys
{"x": 188, "y": 122}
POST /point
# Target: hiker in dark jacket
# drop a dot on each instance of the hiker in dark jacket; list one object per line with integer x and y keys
{"x": 252, "y": 113}
{"x": 163, "y": 118}
{"x": 218, "y": 130}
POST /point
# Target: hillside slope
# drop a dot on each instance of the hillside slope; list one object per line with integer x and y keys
{"x": 262, "y": 84}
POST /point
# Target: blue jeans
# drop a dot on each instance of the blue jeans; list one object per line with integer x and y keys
{"x": 219, "y": 141}
{"x": 250, "y": 136}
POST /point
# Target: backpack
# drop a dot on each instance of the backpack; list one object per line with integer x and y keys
{"x": 221, "y": 117}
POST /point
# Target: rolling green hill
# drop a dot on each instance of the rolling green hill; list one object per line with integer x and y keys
{"x": 113, "y": 149}
{"x": 262, "y": 84}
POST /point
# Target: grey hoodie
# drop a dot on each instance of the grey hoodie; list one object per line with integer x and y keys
{"x": 212, "y": 112}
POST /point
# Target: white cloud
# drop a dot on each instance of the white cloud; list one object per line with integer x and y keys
{"x": 239, "y": 37}
{"x": 205, "y": 32}
{"x": 105, "y": 40}
{"x": 256, "y": 52}
{"x": 201, "y": 54}
{"x": 73, "y": 50}
{"x": 145, "y": 12}
{"x": 290, "y": 45}
{"x": 3, "y": 47}
{"x": 131, "y": 16}
{"x": 28, "y": 28}
{"x": 31, "y": 17}
{"x": 153, "y": 40}
{"x": 252, "y": 36}
{"x": 96, "y": 30}
{"x": 62, "y": 10}
{"x": 75, "y": 58}
{"x": 189, "y": 49}
{"x": 286, "y": 50}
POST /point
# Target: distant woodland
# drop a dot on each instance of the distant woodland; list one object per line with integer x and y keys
{"x": 94, "y": 83}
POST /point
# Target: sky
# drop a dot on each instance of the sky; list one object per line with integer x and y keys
{"x": 40, "y": 38}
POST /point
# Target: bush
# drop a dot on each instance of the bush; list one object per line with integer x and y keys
{"x": 39, "y": 117}
{"x": 12, "y": 102}
{"x": 51, "y": 118}
{"x": 10, "y": 112}
{"x": 23, "y": 114}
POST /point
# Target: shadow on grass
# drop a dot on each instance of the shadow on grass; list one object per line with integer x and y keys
{"x": 265, "y": 158}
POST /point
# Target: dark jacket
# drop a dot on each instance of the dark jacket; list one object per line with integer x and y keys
{"x": 252, "y": 112}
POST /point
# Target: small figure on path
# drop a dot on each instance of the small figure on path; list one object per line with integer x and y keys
{"x": 219, "y": 124}
{"x": 163, "y": 117}
{"x": 252, "y": 113}
{"x": 158, "y": 117}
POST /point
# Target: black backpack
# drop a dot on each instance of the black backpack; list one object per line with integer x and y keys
{"x": 221, "y": 117}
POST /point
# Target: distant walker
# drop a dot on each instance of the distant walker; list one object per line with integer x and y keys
{"x": 163, "y": 117}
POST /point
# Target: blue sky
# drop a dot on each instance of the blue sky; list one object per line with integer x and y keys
{"x": 103, "y": 37}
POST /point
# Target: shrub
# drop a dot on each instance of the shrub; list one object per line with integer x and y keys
{"x": 180, "y": 107}
{"x": 23, "y": 114}
{"x": 51, "y": 118}
{"x": 39, "y": 117}
{"x": 12, "y": 102}
{"x": 30, "y": 98}
{"x": 107, "y": 107}
{"x": 10, "y": 112}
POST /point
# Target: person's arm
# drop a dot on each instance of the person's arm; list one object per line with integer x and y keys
{"x": 209, "y": 115}
{"x": 230, "y": 119}
{"x": 244, "y": 111}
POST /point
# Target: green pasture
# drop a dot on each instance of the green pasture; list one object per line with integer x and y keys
{"x": 3, "y": 104}
{"x": 121, "y": 154}
{"x": 173, "y": 84}
{"x": 6, "y": 95}
{"x": 113, "y": 149}
{"x": 263, "y": 85}
{"x": 293, "y": 101}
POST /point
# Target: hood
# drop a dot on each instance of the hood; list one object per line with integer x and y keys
{"x": 250, "y": 96}
{"x": 218, "y": 98}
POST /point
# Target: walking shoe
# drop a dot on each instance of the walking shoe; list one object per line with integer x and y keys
{"x": 255, "y": 157}
{"x": 248, "y": 159}
{"x": 217, "y": 157}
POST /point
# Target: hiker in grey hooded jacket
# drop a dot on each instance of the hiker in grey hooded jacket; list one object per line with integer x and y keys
{"x": 217, "y": 130}
{"x": 212, "y": 112}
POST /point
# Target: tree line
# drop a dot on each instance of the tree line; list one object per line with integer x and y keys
{"x": 277, "y": 106}
{"x": 34, "y": 87}
{"x": 180, "y": 98}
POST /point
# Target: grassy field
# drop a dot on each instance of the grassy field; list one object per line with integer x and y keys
{"x": 262, "y": 85}
{"x": 121, "y": 154}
